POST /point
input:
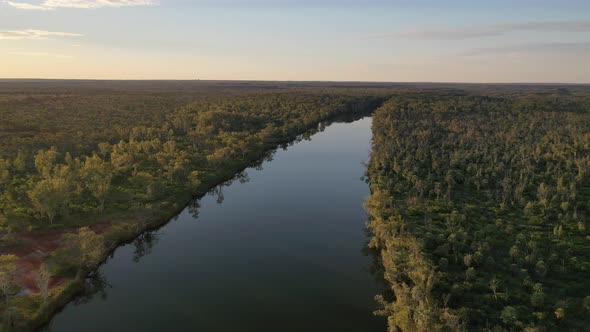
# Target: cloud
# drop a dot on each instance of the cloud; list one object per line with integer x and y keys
{"x": 577, "y": 48}
{"x": 447, "y": 33}
{"x": 27, "y": 6}
{"x": 44, "y": 54}
{"x": 486, "y": 31}
{"x": 83, "y": 4}
{"x": 568, "y": 26}
{"x": 33, "y": 34}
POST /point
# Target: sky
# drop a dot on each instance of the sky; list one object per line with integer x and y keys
{"x": 323, "y": 40}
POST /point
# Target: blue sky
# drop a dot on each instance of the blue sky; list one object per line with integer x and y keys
{"x": 343, "y": 40}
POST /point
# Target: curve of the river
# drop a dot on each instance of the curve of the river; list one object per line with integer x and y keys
{"x": 280, "y": 248}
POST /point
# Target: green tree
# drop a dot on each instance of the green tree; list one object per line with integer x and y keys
{"x": 104, "y": 149}
{"x": 7, "y": 275}
{"x": 468, "y": 260}
{"x": 49, "y": 196}
{"x": 194, "y": 180}
{"x": 509, "y": 315}
{"x": 45, "y": 161}
{"x": 470, "y": 274}
{"x": 559, "y": 313}
{"x": 4, "y": 171}
{"x": 89, "y": 245}
{"x": 42, "y": 281}
{"x": 20, "y": 162}
{"x": 97, "y": 176}
{"x": 538, "y": 296}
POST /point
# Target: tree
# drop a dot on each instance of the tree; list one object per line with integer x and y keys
{"x": 514, "y": 253}
{"x": 538, "y": 296}
{"x": 194, "y": 180}
{"x": 4, "y": 171}
{"x": 49, "y": 196}
{"x": 45, "y": 161}
{"x": 509, "y": 316}
{"x": 42, "y": 281}
{"x": 559, "y": 313}
{"x": 540, "y": 268}
{"x": 543, "y": 194}
{"x": 197, "y": 139}
{"x": 121, "y": 157}
{"x": 468, "y": 260}
{"x": 8, "y": 275}
{"x": 20, "y": 162}
{"x": 97, "y": 176}
{"x": 104, "y": 149}
{"x": 443, "y": 263}
{"x": 91, "y": 247}
{"x": 494, "y": 284}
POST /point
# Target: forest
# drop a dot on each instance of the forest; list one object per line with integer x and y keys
{"x": 479, "y": 209}
{"x": 478, "y": 205}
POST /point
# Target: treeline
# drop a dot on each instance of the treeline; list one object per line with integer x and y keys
{"x": 479, "y": 208}
{"x": 147, "y": 164}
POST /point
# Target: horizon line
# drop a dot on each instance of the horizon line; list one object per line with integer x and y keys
{"x": 285, "y": 81}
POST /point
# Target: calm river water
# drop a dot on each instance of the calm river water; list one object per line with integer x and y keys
{"x": 281, "y": 248}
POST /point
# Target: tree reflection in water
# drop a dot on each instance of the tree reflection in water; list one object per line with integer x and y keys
{"x": 144, "y": 244}
{"x": 242, "y": 177}
{"x": 376, "y": 268}
{"x": 193, "y": 208}
{"x": 94, "y": 285}
{"x": 97, "y": 285}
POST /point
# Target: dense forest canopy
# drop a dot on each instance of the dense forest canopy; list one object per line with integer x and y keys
{"x": 479, "y": 192}
{"x": 76, "y": 151}
{"x": 479, "y": 206}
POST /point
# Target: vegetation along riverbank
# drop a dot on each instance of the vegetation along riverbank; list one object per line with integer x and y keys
{"x": 479, "y": 207}
{"x": 480, "y": 193}
{"x": 84, "y": 169}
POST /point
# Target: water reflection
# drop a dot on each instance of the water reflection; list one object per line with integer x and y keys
{"x": 286, "y": 247}
{"x": 193, "y": 208}
{"x": 376, "y": 268}
{"x": 95, "y": 285}
{"x": 143, "y": 244}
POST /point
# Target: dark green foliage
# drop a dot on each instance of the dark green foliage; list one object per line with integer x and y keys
{"x": 71, "y": 156}
{"x": 479, "y": 203}
{"x": 488, "y": 196}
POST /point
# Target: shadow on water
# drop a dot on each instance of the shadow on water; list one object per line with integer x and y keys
{"x": 144, "y": 244}
{"x": 376, "y": 268}
{"x": 95, "y": 285}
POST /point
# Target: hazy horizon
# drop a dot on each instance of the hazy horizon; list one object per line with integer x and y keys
{"x": 397, "y": 41}
{"x": 286, "y": 81}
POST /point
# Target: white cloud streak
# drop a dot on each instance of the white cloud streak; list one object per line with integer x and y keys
{"x": 458, "y": 33}
{"x": 80, "y": 4}
{"x": 26, "y": 6}
{"x": 559, "y": 48}
{"x": 33, "y": 34}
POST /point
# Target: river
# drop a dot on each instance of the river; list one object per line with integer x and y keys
{"x": 279, "y": 248}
